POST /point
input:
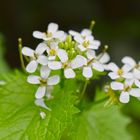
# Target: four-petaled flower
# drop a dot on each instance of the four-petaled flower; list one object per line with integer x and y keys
{"x": 43, "y": 80}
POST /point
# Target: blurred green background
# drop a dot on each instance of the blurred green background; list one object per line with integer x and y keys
{"x": 117, "y": 23}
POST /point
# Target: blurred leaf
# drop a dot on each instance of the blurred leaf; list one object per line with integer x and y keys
{"x": 19, "y": 117}
{"x": 99, "y": 123}
{"x": 3, "y": 64}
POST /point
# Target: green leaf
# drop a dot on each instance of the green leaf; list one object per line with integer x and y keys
{"x": 99, "y": 123}
{"x": 19, "y": 117}
{"x": 3, "y": 64}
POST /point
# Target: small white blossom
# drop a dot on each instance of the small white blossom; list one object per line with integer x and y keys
{"x": 85, "y": 40}
{"x": 51, "y": 33}
{"x": 94, "y": 62}
{"x": 44, "y": 80}
{"x": 42, "y": 115}
{"x": 126, "y": 91}
{"x": 117, "y": 72}
{"x": 66, "y": 64}
{"x": 36, "y": 57}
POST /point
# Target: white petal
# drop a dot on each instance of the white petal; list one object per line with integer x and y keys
{"x": 129, "y": 60}
{"x": 45, "y": 72}
{"x": 33, "y": 79}
{"x": 42, "y": 115}
{"x": 62, "y": 54}
{"x": 89, "y": 38}
{"x": 52, "y": 27}
{"x": 78, "y": 62}
{"x": 104, "y": 58}
{"x": 135, "y": 92}
{"x": 116, "y": 86}
{"x": 90, "y": 54}
{"x": 78, "y": 38}
{"x": 137, "y": 83}
{"x": 40, "y": 93}
{"x": 82, "y": 48}
{"x": 126, "y": 68}
{"x": 42, "y": 59}
{"x": 136, "y": 73}
{"x": 129, "y": 82}
{"x": 86, "y": 32}
{"x": 27, "y": 52}
{"x": 32, "y": 66}
{"x": 41, "y": 103}
{"x": 59, "y": 35}
{"x": 69, "y": 73}
{"x": 53, "y": 80}
{"x": 113, "y": 67}
{"x": 124, "y": 97}
{"x": 113, "y": 75}
{"x": 39, "y": 35}
{"x": 95, "y": 44}
{"x": 73, "y": 33}
{"x": 51, "y": 57}
{"x": 41, "y": 48}
{"x": 127, "y": 75}
{"x": 98, "y": 66}
{"x": 54, "y": 65}
{"x": 87, "y": 72}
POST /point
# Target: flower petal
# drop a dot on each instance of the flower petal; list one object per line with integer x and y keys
{"x": 59, "y": 35}
{"x": 124, "y": 97}
{"x": 73, "y": 33}
{"x": 87, "y": 72}
{"x": 69, "y": 73}
{"x": 41, "y": 48}
{"x": 135, "y": 92}
{"x": 79, "y": 39}
{"x": 45, "y": 72}
{"x": 113, "y": 67}
{"x": 52, "y": 27}
{"x": 42, "y": 59}
{"x": 28, "y": 52}
{"x": 137, "y": 83}
{"x": 41, "y": 103}
{"x": 54, "y": 65}
{"x": 40, "y": 93}
{"x": 104, "y": 58}
{"x": 95, "y": 44}
{"x": 126, "y": 68}
{"x": 39, "y": 35}
{"x": 82, "y": 48}
{"x": 113, "y": 75}
{"x": 33, "y": 79}
{"x": 129, "y": 60}
{"x": 32, "y": 66}
{"x": 53, "y": 80}
{"x": 78, "y": 62}
{"x": 62, "y": 54}
{"x": 117, "y": 86}
{"x": 86, "y": 32}
{"x": 98, "y": 66}
{"x": 127, "y": 75}
{"x": 90, "y": 54}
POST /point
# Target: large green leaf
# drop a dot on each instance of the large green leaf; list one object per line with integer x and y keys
{"x": 19, "y": 116}
{"x": 99, "y": 123}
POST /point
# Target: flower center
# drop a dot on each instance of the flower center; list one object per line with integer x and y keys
{"x": 120, "y": 72}
{"x": 127, "y": 88}
{"x": 85, "y": 43}
{"x": 65, "y": 64}
{"x": 43, "y": 81}
{"x": 36, "y": 56}
{"x": 48, "y": 34}
{"x": 52, "y": 52}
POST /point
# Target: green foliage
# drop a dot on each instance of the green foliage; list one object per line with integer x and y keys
{"x": 19, "y": 117}
{"x": 99, "y": 123}
{"x": 3, "y": 65}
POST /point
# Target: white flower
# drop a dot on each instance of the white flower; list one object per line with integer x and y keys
{"x": 130, "y": 61}
{"x": 117, "y": 72}
{"x": 94, "y": 62}
{"x": 126, "y": 91}
{"x": 135, "y": 79}
{"x": 36, "y": 57}
{"x": 44, "y": 80}
{"x": 51, "y": 33}
{"x": 66, "y": 64}
{"x": 85, "y": 40}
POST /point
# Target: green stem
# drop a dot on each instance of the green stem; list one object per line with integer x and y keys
{"x": 20, "y": 54}
{"x": 84, "y": 89}
{"x": 92, "y": 25}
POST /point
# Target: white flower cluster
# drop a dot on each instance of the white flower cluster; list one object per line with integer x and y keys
{"x": 126, "y": 79}
{"x": 62, "y": 51}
